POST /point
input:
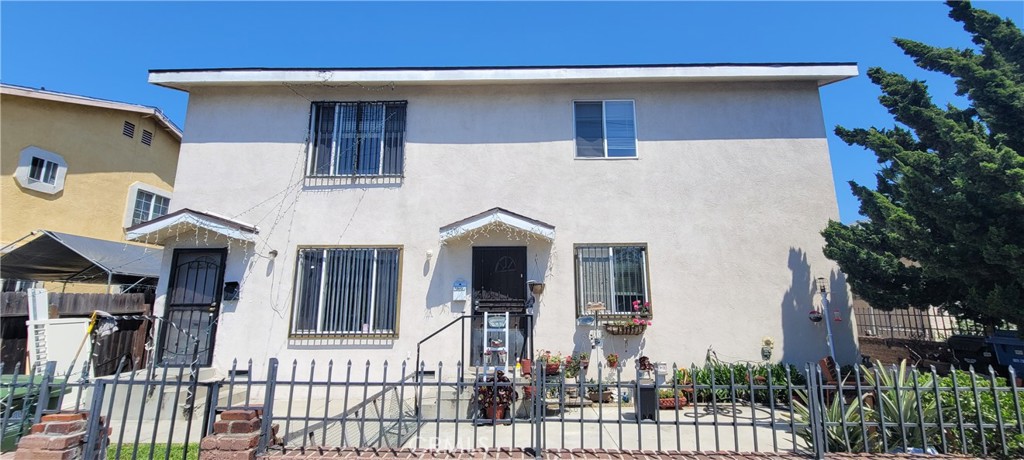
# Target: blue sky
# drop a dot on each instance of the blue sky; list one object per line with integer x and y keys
{"x": 105, "y": 49}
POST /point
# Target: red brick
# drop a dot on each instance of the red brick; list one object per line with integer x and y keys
{"x": 65, "y": 427}
{"x": 66, "y": 417}
{"x": 241, "y": 427}
{"x": 238, "y": 414}
{"x": 221, "y": 427}
{"x": 39, "y": 441}
{"x": 209, "y": 443}
{"x": 30, "y": 454}
{"x": 227, "y": 455}
{"x": 238, "y": 442}
{"x": 38, "y": 428}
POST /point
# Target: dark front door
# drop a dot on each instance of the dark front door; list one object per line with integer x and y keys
{"x": 499, "y": 285}
{"x": 499, "y": 278}
{"x": 193, "y": 304}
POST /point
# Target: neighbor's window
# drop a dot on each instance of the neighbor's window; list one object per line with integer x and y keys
{"x": 357, "y": 139}
{"x": 149, "y": 206}
{"x": 43, "y": 171}
{"x": 615, "y": 275}
{"x": 346, "y": 291}
{"x": 605, "y": 129}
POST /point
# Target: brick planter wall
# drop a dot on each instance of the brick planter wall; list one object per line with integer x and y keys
{"x": 59, "y": 437}
{"x": 235, "y": 437}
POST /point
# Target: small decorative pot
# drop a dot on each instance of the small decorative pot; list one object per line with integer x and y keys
{"x": 552, "y": 368}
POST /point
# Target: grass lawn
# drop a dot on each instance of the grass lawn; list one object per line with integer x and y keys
{"x": 159, "y": 451}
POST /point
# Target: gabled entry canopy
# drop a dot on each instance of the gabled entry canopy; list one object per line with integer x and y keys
{"x": 497, "y": 217}
{"x": 158, "y": 230}
{"x": 54, "y": 256}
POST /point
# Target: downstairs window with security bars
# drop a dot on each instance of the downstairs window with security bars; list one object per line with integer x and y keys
{"x": 357, "y": 139}
{"x": 346, "y": 291}
{"x": 615, "y": 275}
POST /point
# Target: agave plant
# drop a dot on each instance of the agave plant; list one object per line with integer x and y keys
{"x": 838, "y": 438}
{"x": 899, "y": 396}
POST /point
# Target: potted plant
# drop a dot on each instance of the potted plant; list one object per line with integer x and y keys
{"x": 598, "y": 393}
{"x": 684, "y": 381}
{"x": 575, "y": 363}
{"x": 612, "y": 360}
{"x": 671, "y": 399}
{"x": 494, "y": 396}
{"x": 552, "y": 362}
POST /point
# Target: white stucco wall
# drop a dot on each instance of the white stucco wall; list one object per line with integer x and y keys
{"x": 730, "y": 188}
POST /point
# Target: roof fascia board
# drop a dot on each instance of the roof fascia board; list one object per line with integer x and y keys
{"x": 144, "y": 231}
{"x": 823, "y": 74}
{"x": 468, "y": 225}
{"x": 93, "y": 102}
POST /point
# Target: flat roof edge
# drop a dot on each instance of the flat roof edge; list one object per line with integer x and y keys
{"x": 824, "y": 73}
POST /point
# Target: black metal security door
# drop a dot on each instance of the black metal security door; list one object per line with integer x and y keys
{"x": 499, "y": 278}
{"x": 193, "y": 304}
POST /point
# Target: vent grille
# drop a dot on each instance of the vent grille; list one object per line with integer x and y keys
{"x": 147, "y": 137}
{"x": 129, "y": 129}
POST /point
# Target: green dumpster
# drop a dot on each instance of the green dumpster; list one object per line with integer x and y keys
{"x": 23, "y": 404}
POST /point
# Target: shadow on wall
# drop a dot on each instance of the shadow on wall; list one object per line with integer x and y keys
{"x": 804, "y": 341}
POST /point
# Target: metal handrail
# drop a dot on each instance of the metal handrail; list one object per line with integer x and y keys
{"x": 446, "y": 326}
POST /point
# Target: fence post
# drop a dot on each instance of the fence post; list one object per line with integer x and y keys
{"x": 538, "y": 409}
{"x": 814, "y": 406}
{"x": 44, "y": 391}
{"x": 93, "y": 424}
{"x": 266, "y": 423}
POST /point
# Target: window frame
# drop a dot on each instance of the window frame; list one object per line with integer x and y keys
{"x": 609, "y": 313}
{"x": 319, "y": 333}
{"x": 604, "y": 130}
{"x": 336, "y": 130}
{"x": 133, "y": 192}
{"x": 23, "y": 174}
{"x": 47, "y": 171}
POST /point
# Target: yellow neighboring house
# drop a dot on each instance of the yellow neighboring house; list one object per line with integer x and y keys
{"x": 81, "y": 165}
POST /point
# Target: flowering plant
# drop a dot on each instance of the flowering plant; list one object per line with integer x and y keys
{"x": 641, "y": 315}
{"x": 612, "y": 360}
{"x": 546, "y": 357}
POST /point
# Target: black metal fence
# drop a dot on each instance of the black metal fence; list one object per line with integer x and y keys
{"x": 164, "y": 412}
{"x": 931, "y": 324}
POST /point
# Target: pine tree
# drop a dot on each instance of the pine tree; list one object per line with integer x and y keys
{"x": 946, "y": 220}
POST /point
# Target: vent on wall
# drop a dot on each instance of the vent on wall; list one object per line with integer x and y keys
{"x": 129, "y": 129}
{"x": 147, "y": 137}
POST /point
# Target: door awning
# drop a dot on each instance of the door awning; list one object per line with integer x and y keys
{"x": 186, "y": 220}
{"x": 497, "y": 218}
{"x": 54, "y": 256}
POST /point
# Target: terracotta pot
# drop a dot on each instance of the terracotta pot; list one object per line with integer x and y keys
{"x": 496, "y": 411}
{"x": 671, "y": 403}
{"x": 603, "y": 397}
{"x": 552, "y": 368}
{"x": 527, "y": 366}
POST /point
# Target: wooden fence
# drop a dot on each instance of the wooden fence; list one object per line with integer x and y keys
{"x": 129, "y": 341}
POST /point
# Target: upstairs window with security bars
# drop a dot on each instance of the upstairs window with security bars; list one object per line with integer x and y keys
{"x": 346, "y": 292}
{"x": 357, "y": 139}
{"x": 615, "y": 275}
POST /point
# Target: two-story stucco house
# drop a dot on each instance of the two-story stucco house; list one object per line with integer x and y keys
{"x": 352, "y": 213}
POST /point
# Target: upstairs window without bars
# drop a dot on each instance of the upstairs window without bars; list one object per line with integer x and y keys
{"x": 615, "y": 275}
{"x": 346, "y": 291}
{"x": 129, "y": 129}
{"x": 149, "y": 206}
{"x": 43, "y": 171}
{"x": 605, "y": 129}
{"x": 357, "y": 139}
